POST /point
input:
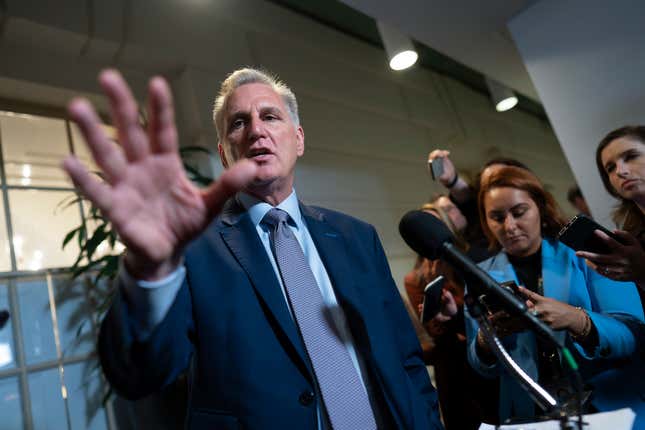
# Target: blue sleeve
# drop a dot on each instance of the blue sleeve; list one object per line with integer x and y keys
{"x": 149, "y": 302}
{"x": 472, "y": 327}
{"x": 612, "y": 302}
{"x": 138, "y": 360}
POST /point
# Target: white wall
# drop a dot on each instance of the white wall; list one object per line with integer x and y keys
{"x": 368, "y": 129}
{"x": 586, "y": 60}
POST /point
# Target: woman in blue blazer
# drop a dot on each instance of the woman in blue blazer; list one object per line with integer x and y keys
{"x": 593, "y": 314}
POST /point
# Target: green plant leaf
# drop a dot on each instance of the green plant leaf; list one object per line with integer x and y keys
{"x": 69, "y": 236}
{"x": 109, "y": 269}
{"x": 82, "y": 269}
{"x": 92, "y": 243}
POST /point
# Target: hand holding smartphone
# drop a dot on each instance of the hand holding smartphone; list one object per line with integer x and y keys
{"x": 432, "y": 298}
{"x": 436, "y": 167}
{"x": 579, "y": 235}
{"x": 494, "y": 304}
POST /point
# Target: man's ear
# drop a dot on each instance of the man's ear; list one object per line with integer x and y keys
{"x": 300, "y": 141}
{"x": 222, "y": 154}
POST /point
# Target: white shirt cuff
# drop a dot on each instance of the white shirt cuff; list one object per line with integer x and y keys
{"x": 150, "y": 301}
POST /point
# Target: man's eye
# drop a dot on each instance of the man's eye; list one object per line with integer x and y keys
{"x": 270, "y": 117}
{"x": 610, "y": 168}
{"x": 237, "y": 124}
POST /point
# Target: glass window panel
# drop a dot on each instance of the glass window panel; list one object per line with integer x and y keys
{"x": 73, "y": 313}
{"x": 40, "y": 224}
{"x": 36, "y": 321}
{"x": 5, "y": 257}
{"x": 7, "y": 354}
{"x": 85, "y": 395}
{"x": 33, "y": 147}
{"x": 10, "y": 404}
{"x": 47, "y": 403}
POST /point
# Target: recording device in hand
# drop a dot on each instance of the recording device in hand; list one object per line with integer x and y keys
{"x": 436, "y": 167}
{"x": 4, "y": 317}
{"x": 432, "y": 298}
{"x": 494, "y": 304}
{"x": 579, "y": 235}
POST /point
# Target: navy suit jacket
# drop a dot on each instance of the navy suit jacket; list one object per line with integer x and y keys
{"x": 231, "y": 327}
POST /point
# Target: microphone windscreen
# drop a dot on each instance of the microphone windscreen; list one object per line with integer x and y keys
{"x": 424, "y": 233}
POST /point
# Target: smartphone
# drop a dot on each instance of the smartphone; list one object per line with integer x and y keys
{"x": 436, "y": 167}
{"x": 494, "y": 304}
{"x": 579, "y": 235}
{"x": 432, "y": 298}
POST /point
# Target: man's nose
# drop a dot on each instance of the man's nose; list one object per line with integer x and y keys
{"x": 256, "y": 128}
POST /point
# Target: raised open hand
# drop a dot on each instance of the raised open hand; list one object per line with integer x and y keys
{"x": 146, "y": 195}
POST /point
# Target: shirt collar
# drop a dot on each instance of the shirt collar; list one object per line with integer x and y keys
{"x": 258, "y": 208}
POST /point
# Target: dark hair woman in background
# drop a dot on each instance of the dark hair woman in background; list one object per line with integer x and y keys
{"x": 521, "y": 219}
{"x": 620, "y": 158}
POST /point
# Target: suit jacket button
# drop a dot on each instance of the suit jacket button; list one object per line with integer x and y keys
{"x": 306, "y": 398}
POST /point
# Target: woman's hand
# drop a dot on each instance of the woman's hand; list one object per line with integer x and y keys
{"x": 556, "y": 314}
{"x": 448, "y": 310}
{"x": 448, "y": 306}
{"x": 626, "y": 262}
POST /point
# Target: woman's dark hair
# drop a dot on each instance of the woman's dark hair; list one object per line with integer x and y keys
{"x": 522, "y": 179}
{"x": 627, "y": 214}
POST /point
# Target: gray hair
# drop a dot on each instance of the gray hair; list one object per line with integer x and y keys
{"x": 251, "y": 76}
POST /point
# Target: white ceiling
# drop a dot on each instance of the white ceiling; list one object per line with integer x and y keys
{"x": 472, "y": 32}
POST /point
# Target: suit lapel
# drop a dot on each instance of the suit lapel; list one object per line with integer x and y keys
{"x": 330, "y": 245}
{"x": 239, "y": 234}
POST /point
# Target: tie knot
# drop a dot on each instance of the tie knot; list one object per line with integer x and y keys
{"x": 274, "y": 217}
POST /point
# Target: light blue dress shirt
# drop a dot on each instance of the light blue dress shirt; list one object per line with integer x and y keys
{"x": 151, "y": 301}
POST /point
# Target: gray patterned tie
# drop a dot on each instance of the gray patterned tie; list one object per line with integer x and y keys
{"x": 343, "y": 395}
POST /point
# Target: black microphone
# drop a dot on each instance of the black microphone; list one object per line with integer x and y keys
{"x": 430, "y": 238}
{"x": 4, "y": 317}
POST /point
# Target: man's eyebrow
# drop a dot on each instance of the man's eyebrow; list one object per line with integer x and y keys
{"x": 239, "y": 114}
{"x": 271, "y": 109}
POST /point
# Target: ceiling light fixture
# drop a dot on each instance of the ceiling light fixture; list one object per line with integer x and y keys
{"x": 398, "y": 46}
{"x": 503, "y": 97}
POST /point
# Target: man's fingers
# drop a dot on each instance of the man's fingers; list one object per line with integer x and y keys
{"x": 107, "y": 155}
{"x": 161, "y": 126}
{"x": 125, "y": 114}
{"x": 96, "y": 191}
{"x": 231, "y": 181}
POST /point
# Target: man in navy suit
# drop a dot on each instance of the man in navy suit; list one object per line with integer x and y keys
{"x": 200, "y": 287}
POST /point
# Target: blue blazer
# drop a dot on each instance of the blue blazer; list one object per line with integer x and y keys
{"x": 614, "y": 308}
{"x": 230, "y": 325}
